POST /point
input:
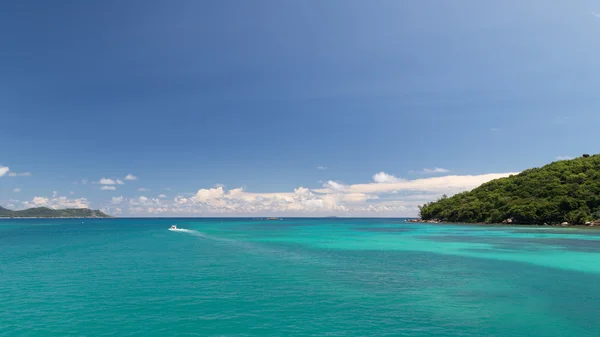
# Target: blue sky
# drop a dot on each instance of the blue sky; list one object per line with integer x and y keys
{"x": 189, "y": 96}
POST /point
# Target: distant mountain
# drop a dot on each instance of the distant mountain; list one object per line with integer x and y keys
{"x": 4, "y": 212}
{"x": 45, "y": 212}
{"x": 566, "y": 191}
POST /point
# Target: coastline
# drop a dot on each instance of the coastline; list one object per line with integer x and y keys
{"x": 594, "y": 225}
{"x": 53, "y": 217}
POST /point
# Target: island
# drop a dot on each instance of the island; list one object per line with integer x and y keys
{"x": 565, "y": 192}
{"x": 45, "y": 212}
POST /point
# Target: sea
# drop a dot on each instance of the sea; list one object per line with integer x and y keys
{"x": 295, "y": 277}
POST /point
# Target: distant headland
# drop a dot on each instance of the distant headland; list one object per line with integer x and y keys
{"x": 563, "y": 193}
{"x": 45, "y": 212}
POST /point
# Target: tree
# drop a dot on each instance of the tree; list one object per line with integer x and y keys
{"x": 566, "y": 190}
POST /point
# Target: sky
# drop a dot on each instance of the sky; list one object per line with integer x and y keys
{"x": 287, "y": 108}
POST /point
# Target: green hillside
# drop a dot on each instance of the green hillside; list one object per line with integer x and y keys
{"x": 563, "y": 191}
{"x": 4, "y": 212}
{"x": 45, "y": 212}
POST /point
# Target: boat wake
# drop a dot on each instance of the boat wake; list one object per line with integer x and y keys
{"x": 188, "y": 231}
{"x": 183, "y": 230}
{"x": 256, "y": 249}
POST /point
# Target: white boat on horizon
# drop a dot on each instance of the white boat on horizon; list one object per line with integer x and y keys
{"x": 173, "y": 228}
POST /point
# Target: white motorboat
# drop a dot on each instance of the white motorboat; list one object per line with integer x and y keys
{"x": 173, "y": 228}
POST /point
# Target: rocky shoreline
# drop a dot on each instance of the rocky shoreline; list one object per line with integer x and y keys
{"x": 509, "y": 222}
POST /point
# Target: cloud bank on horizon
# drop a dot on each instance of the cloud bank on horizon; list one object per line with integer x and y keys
{"x": 385, "y": 195}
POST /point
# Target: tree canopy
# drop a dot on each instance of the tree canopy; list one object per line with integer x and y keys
{"x": 563, "y": 191}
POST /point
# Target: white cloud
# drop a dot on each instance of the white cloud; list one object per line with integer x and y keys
{"x": 136, "y": 210}
{"x": 596, "y": 14}
{"x": 22, "y": 174}
{"x": 117, "y": 200}
{"x": 110, "y": 181}
{"x": 17, "y": 190}
{"x": 181, "y": 200}
{"x": 108, "y": 188}
{"x": 130, "y": 177}
{"x": 357, "y": 197}
{"x": 386, "y": 195}
{"x": 141, "y": 189}
{"x": 3, "y": 170}
{"x": 71, "y": 193}
{"x": 564, "y": 158}
{"x": 111, "y": 210}
{"x": 144, "y": 204}
{"x": 56, "y": 202}
{"x": 320, "y": 167}
{"x": 334, "y": 185}
{"x": 167, "y": 188}
{"x": 84, "y": 181}
{"x": 107, "y": 181}
{"x": 238, "y": 201}
{"x": 445, "y": 183}
{"x": 39, "y": 201}
{"x": 54, "y": 194}
{"x": 217, "y": 200}
{"x": 203, "y": 195}
{"x": 383, "y": 177}
{"x": 435, "y": 170}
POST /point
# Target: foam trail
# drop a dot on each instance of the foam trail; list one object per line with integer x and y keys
{"x": 182, "y": 230}
{"x": 202, "y": 235}
{"x": 188, "y": 231}
{"x": 255, "y": 249}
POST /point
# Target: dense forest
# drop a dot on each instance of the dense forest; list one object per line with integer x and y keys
{"x": 563, "y": 191}
{"x": 45, "y": 212}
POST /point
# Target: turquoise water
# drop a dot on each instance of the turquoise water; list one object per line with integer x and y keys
{"x": 296, "y": 277}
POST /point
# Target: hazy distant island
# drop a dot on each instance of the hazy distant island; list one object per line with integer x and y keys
{"x": 565, "y": 192}
{"x": 45, "y": 212}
